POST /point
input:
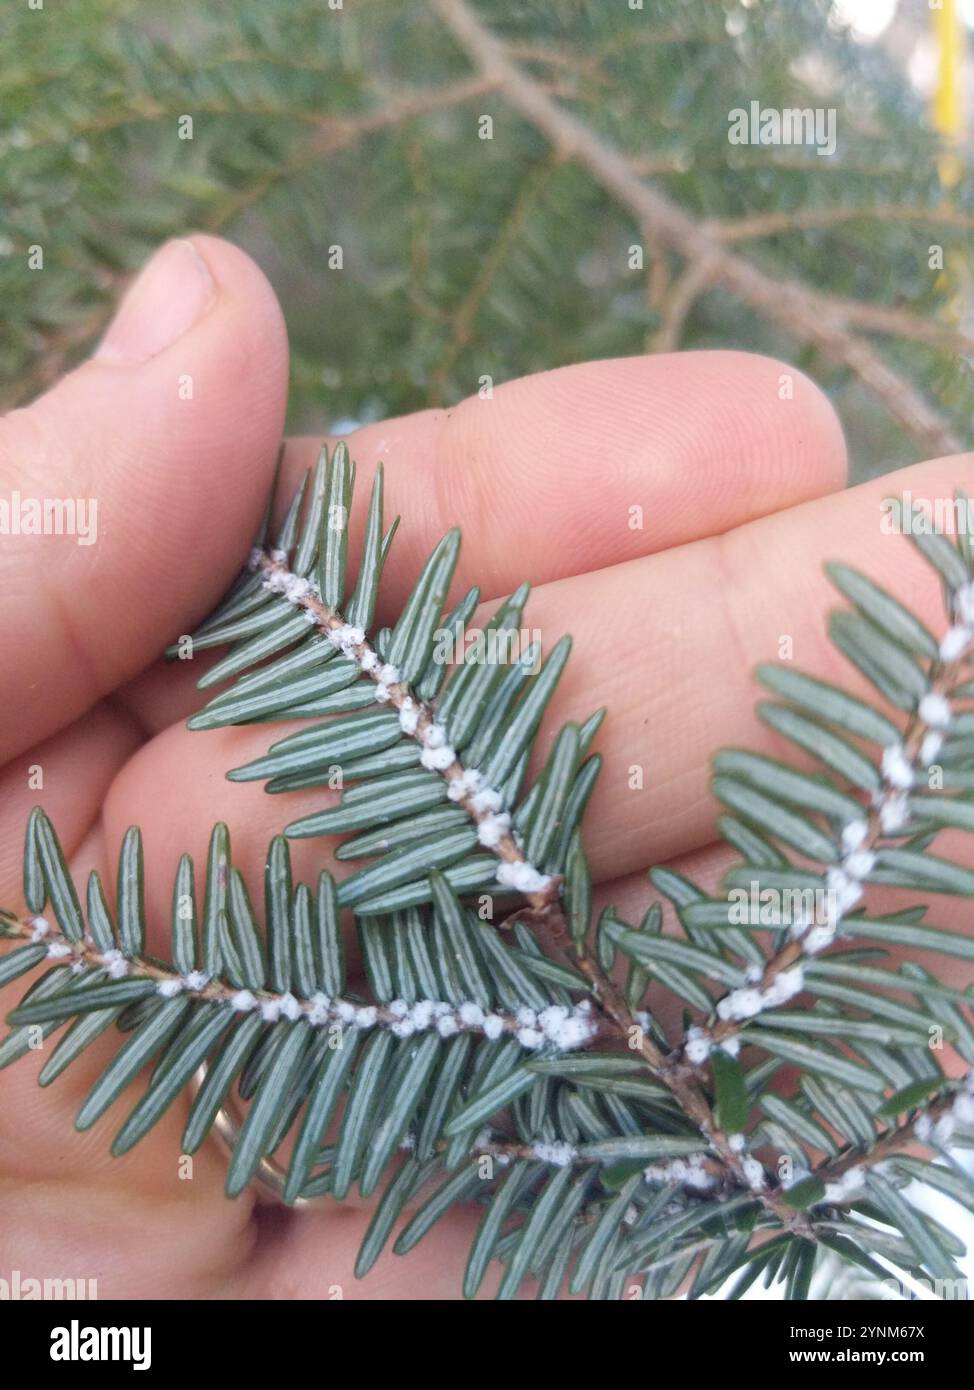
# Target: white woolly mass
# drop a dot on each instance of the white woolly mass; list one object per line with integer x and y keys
{"x": 41, "y": 928}
{"x": 58, "y": 950}
{"x": 421, "y": 1014}
{"x": 573, "y": 1033}
{"x": 296, "y": 589}
{"x": 368, "y": 661}
{"x": 893, "y": 813}
{"x": 290, "y": 1007}
{"x": 930, "y": 747}
{"x": 784, "y": 986}
{"x": 846, "y": 1185}
{"x": 493, "y": 1027}
{"x": 352, "y": 635}
{"x": 435, "y": 736}
{"x": 270, "y": 1010}
{"x": 844, "y": 890}
{"x": 731, "y": 1045}
{"x": 955, "y": 642}
{"x": 690, "y": 1171}
{"x": 737, "y": 1143}
{"x": 169, "y": 988}
{"x": 320, "y": 1010}
{"x": 859, "y": 864}
{"x": 743, "y": 1004}
{"x": 470, "y": 781}
{"x": 116, "y": 965}
{"x": 243, "y": 1002}
{"x": 697, "y": 1046}
{"x": 278, "y": 557}
{"x": 381, "y": 693}
{"x": 471, "y": 1015}
{"x": 934, "y": 709}
{"x": 486, "y": 800}
{"x": 408, "y": 716}
{"x": 923, "y": 1128}
{"x": 389, "y": 675}
{"x": 560, "y": 1154}
{"x": 522, "y": 876}
{"x": 740, "y": 1004}
{"x": 196, "y": 980}
{"x": 566, "y": 1028}
{"x": 897, "y": 769}
{"x": 697, "y": 1176}
{"x": 493, "y": 828}
{"x": 754, "y": 1174}
{"x": 854, "y": 833}
{"x": 438, "y": 759}
{"x": 964, "y": 604}
{"x": 817, "y": 940}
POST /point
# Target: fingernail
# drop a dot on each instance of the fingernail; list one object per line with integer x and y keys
{"x": 168, "y": 297}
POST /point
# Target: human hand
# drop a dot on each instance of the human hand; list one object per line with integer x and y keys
{"x": 673, "y": 513}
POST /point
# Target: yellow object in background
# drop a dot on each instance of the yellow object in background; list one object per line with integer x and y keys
{"x": 948, "y": 114}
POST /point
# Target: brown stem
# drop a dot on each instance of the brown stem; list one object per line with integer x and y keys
{"x": 942, "y": 680}
{"x": 215, "y": 991}
{"x": 679, "y": 1080}
{"x": 787, "y": 303}
{"x": 328, "y": 620}
{"x": 892, "y": 1142}
{"x": 799, "y": 219}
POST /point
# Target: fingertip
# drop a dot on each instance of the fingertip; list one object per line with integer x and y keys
{"x": 607, "y": 461}
{"x": 790, "y": 420}
{"x": 168, "y": 436}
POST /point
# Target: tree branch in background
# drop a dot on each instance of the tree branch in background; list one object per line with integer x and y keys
{"x": 787, "y": 303}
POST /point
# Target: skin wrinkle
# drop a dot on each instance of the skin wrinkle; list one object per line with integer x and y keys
{"x": 61, "y": 606}
{"x": 96, "y": 746}
{"x": 725, "y": 587}
{"x": 33, "y": 446}
{"x": 128, "y": 714}
{"x": 15, "y": 457}
{"x": 446, "y": 494}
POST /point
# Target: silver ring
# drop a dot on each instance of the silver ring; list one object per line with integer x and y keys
{"x": 270, "y": 1176}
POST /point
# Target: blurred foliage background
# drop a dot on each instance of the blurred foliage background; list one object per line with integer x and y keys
{"x": 321, "y": 124}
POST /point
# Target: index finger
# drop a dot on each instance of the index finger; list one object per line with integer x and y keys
{"x": 570, "y": 471}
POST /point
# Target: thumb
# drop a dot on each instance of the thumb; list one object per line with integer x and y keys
{"x": 130, "y": 490}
